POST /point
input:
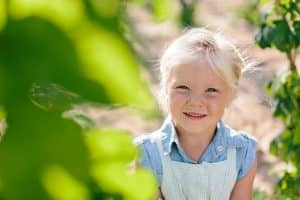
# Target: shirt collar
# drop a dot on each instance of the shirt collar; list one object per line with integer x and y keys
{"x": 220, "y": 141}
{"x": 169, "y": 135}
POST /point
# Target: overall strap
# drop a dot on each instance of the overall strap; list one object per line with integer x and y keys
{"x": 170, "y": 186}
{"x": 231, "y": 155}
{"x": 163, "y": 156}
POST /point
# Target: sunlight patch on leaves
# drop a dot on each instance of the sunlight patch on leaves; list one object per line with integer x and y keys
{"x": 109, "y": 62}
{"x": 2, "y": 13}
{"x": 64, "y": 13}
{"x": 62, "y": 186}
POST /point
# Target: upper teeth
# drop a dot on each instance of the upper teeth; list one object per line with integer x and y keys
{"x": 194, "y": 114}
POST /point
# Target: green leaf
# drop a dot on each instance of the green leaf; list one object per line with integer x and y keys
{"x": 103, "y": 53}
{"x": 279, "y": 111}
{"x": 2, "y": 14}
{"x": 250, "y": 13}
{"x": 277, "y": 34}
{"x": 281, "y": 36}
{"x": 262, "y": 37}
{"x": 64, "y": 13}
{"x": 284, "y": 185}
{"x": 297, "y": 7}
{"x": 161, "y": 9}
{"x": 258, "y": 194}
{"x": 108, "y": 61}
{"x": 264, "y": 1}
{"x": 274, "y": 147}
{"x": 139, "y": 185}
{"x": 286, "y": 134}
{"x": 285, "y": 2}
{"x": 107, "y": 8}
{"x": 296, "y": 139}
{"x": 137, "y": 1}
{"x": 296, "y": 26}
{"x": 66, "y": 188}
{"x": 111, "y": 151}
{"x": 110, "y": 145}
{"x": 2, "y": 113}
{"x": 35, "y": 140}
{"x": 269, "y": 87}
{"x": 57, "y": 44}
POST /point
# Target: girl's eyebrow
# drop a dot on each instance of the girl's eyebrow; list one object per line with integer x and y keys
{"x": 180, "y": 80}
{"x": 179, "y": 83}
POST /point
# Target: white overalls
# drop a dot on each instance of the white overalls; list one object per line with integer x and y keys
{"x": 205, "y": 181}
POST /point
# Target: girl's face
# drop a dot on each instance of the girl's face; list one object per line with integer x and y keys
{"x": 197, "y": 97}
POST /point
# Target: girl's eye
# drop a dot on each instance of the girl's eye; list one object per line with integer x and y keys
{"x": 182, "y": 87}
{"x": 212, "y": 90}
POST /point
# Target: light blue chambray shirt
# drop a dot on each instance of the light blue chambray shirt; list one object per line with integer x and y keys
{"x": 216, "y": 151}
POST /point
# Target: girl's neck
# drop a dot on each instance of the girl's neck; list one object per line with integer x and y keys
{"x": 194, "y": 144}
{"x": 198, "y": 137}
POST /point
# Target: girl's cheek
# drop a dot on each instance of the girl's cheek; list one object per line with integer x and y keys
{"x": 176, "y": 96}
{"x": 216, "y": 101}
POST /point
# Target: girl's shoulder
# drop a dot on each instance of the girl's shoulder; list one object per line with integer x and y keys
{"x": 238, "y": 138}
{"x": 246, "y": 146}
{"x": 150, "y": 156}
{"x": 147, "y": 138}
{"x": 147, "y": 143}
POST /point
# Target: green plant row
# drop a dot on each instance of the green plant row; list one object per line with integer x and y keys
{"x": 278, "y": 25}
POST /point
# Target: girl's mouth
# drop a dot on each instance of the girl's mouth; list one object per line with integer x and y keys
{"x": 194, "y": 116}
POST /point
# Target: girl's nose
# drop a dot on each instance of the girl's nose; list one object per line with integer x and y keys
{"x": 196, "y": 100}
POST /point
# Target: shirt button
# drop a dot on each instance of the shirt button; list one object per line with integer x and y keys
{"x": 220, "y": 148}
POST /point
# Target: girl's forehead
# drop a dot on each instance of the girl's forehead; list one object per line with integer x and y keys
{"x": 196, "y": 72}
{"x": 193, "y": 69}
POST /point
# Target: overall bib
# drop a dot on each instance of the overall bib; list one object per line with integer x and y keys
{"x": 205, "y": 181}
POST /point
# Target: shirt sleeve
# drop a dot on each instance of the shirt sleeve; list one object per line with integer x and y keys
{"x": 248, "y": 154}
{"x": 149, "y": 156}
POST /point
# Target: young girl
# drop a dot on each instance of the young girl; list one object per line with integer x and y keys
{"x": 195, "y": 155}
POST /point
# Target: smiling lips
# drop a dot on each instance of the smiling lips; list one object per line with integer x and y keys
{"x": 194, "y": 116}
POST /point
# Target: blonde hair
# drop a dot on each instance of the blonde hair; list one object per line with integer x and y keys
{"x": 200, "y": 43}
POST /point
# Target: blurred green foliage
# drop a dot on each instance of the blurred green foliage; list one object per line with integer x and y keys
{"x": 54, "y": 54}
{"x": 161, "y": 9}
{"x": 286, "y": 94}
{"x": 250, "y": 12}
{"x": 279, "y": 28}
{"x": 166, "y": 9}
{"x": 187, "y": 14}
{"x": 2, "y": 113}
{"x": 257, "y": 194}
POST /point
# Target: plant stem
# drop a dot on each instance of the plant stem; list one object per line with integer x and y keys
{"x": 291, "y": 59}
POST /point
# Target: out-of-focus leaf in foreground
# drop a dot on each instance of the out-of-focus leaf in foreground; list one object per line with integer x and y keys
{"x": 111, "y": 152}
{"x": 53, "y": 54}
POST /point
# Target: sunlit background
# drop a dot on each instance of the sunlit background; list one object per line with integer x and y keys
{"x": 79, "y": 79}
